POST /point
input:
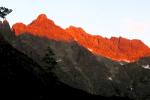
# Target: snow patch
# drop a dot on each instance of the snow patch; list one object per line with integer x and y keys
{"x": 146, "y": 66}
{"x": 90, "y": 49}
{"x": 131, "y": 88}
{"x": 128, "y": 61}
{"x": 124, "y": 60}
{"x": 76, "y": 39}
{"x": 60, "y": 60}
{"x": 109, "y": 78}
{"x": 121, "y": 63}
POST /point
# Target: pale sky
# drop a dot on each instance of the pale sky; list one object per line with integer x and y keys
{"x": 126, "y": 18}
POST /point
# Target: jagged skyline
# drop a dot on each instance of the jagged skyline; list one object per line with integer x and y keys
{"x": 118, "y": 49}
{"x": 129, "y": 19}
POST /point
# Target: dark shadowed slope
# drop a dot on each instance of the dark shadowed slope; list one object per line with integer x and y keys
{"x": 77, "y": 67}
{"x": 21, "y": 77}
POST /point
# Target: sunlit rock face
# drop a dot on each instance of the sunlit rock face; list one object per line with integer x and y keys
{"x": 119, "y": 49}
{"x": 42, "y": 27}
{"x": 29, "y": 80}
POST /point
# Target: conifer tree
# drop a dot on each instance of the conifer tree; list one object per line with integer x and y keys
{"x": 4, "y": 11}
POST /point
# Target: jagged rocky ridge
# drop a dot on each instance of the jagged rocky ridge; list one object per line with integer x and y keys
{"x": 79, "y": 68}
{"x": 119, "y": 49}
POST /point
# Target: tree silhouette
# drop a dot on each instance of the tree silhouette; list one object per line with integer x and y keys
{"x": 4, "y": 11}
{"x": 50, "y": 59}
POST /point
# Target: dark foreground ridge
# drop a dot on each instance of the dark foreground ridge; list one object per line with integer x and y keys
{"x": 21, "y": 77}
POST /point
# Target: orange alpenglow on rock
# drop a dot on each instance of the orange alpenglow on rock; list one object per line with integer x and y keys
{"x": 42, "y": 27}
{"x": 118, "y": 49}
{"x": 19, "y": 28}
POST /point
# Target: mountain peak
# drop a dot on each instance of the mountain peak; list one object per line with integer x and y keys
{"x": 42, "y": 27}
{"x": 19, "y": 28}
{"x": 5, "y": 31}
{"x": 74, "y": 28}
{"x": 4, "y": 23}
{"x": 42, "y": 21}
{"x": 42, "y": 16}
{"x": 116, "y": 48}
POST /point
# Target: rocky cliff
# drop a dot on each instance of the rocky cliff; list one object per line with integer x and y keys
{"x": 118, "y": 49}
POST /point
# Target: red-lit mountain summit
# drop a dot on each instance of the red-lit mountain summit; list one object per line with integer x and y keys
{"x": 119, "y": 49}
